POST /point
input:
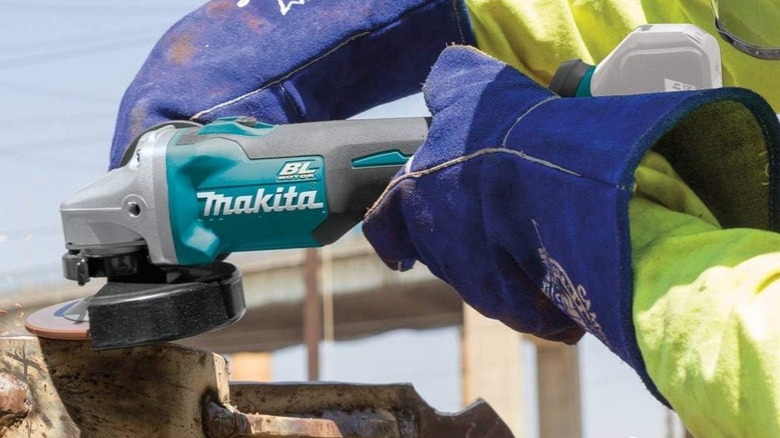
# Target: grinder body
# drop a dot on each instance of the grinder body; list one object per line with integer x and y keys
{"x": 188, "y": 195}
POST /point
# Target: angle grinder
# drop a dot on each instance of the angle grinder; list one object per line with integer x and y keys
{"x": 159, "y": 227}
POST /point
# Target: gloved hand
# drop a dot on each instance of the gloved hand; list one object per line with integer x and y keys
{"x": 294, "y": 63}
{"x": 519, "y": 199}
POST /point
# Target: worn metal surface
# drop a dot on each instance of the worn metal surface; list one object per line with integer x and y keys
{"x": 369, "y": 410}
{"x": 64, "y": 389}
{"x": 137, "y": 392}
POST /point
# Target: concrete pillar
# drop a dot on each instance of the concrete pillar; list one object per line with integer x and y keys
{"x": 492, "y": 367}
{"x": 251, "y": 367}
{"x": 558, "y": 381}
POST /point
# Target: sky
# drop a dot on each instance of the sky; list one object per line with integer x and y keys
{"x": 63, "y": 69}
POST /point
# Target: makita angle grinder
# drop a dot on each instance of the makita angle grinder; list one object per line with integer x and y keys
{"x": 187, "y": 195}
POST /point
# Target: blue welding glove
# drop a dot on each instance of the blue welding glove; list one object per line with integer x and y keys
{"x": 288, "y": 61}
{"x": 519, "y": 198}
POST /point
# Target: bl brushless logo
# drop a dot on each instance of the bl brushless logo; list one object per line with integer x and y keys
{"x": 296, "y": 170}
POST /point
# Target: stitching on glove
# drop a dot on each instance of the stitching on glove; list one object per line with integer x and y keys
{"x": 457, "y": 20}
{"x": 463, "y": 159}
{"x": 511, "y": 128}
{"x": 408, "y": 165}
{"x": 290, "y": 100}
{"x": 279, "y": 80}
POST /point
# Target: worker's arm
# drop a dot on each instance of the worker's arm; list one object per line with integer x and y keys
{"x": 705, "y": 300}
{"x": 520, "y": 199}
{"x": 288, "y": 61}
{"x": 706, "y": 305}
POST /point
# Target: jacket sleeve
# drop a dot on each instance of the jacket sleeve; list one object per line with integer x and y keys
{"x": 705, "y": 309}
{"x": 288, "y": 61}
{"x": 536, "y": 36}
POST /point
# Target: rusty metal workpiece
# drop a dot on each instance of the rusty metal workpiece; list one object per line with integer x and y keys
{"x": 368, "y": 411}
{"x": 52, "y": 388}
{"x": 223, "y": 423}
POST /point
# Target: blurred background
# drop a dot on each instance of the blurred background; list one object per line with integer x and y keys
{"x": 63, "y": 69}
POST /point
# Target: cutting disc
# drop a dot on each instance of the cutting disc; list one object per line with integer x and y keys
{"x": 60, "y": 321}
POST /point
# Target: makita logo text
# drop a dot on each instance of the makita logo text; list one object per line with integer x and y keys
{"x": 296, "y": 170}
{"x": 290, "y": 200}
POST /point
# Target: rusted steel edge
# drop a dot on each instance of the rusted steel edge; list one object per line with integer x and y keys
{"x": 387, "y": 410}
{"x": 223, "y": 423}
